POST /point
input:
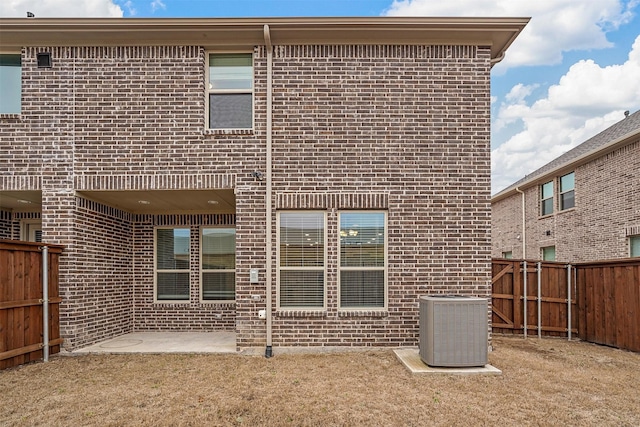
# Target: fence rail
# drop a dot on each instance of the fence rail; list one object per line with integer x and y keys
{"x": 22, "y": 305}
{"x": 540, "y": 295}
{"x": 597, "y": 301}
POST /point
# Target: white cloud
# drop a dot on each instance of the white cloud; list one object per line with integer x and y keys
{"x": 60, "y": 8}
{"x": 130, "y": 7}
{"x": 586, "y": 100}
{"x": 157, "y": 4}
{"x": 574, "y": 25}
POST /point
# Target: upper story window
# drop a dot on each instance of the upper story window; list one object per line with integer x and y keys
{"x": 546, "y": 198}
{"x": 567, "y": 191}
{"x": 10, "y": 84}
{"x": 172, "y": 253}
{"x": 230, "y": 92}
{"x": 363, "y": 260}
{"x": 301, "y": 260}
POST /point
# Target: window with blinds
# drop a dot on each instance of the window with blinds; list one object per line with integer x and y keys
{"x": 301, "y": 260}
{"x": 217, "y": 264}
{"x": 362, "y": 260}
{"x": 172, "y": 251}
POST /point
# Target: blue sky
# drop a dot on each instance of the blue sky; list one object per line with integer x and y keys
{"x": 572, "y": 72}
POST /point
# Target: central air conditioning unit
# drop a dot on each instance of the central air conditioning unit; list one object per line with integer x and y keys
{"x": 453, "y": 331}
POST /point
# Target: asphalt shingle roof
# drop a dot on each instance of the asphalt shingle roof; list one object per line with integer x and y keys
{"x": 624, "y": 127}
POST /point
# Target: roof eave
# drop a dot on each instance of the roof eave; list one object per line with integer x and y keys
{"x": 498, "y": 33}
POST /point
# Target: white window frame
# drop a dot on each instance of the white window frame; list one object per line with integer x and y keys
{"x": 206, "y": 270}
{"x": 384, "y": 268}
{"x": 229, "y": 91}
{"x": 562, "y": 193}
{"x": 156, "y": 270}
{"x": 279, "y": 268}
{"x": 21, "y": 85}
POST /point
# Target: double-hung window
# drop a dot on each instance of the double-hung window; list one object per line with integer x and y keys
{"x": 218, "y": 263}
{"x": 301, "y": 260}
{"x": 172, "y": 261}
{"x": 362, "y": 260}
{"x": 10, "y": 84}
{"x": 567, "y": 191}
{"x": 546, "y": 198}
{"x": 230, "y": 93}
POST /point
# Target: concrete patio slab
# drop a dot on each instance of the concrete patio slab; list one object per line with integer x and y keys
{"x": 410, "y": 358}
{"x": 165, "y": 342}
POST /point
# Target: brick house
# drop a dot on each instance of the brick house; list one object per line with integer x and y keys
{"x": 299, "y": 181}
{"x": 582, "y": 206}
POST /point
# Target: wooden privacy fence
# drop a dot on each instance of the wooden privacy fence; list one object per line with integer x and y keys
{"x": 597, "y": 301}
{"x": 609, "y": 303}
{"x": 22, "y": 305}
{"x": 543, "y": 298}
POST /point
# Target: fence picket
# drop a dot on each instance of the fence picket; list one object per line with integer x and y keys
{"x": 602, "y": 305}
{"x": 21, "y": 321}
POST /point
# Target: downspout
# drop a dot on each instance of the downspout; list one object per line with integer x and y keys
{"x": 45, "y": 303}
{"x": 267, "y": 41}
{"x": 524, "y": 229}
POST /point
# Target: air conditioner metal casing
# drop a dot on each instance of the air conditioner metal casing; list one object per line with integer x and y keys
{"x": 453, "y": 331}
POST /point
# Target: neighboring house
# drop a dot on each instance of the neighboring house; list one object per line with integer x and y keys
{"x": 582, "y": 206}
{"x": 326, "y": 171}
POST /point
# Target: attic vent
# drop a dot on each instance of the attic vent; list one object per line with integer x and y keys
{"x": 44, "y": 60}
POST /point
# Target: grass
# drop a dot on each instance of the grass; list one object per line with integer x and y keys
{"x": 544, "y": 382}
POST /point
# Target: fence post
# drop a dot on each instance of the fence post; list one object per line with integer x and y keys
{"x": 569, "y": 302}
{"x": 539, "y": 300}
{"x": 45, "y": 303}
{"x": 524, "y": 263}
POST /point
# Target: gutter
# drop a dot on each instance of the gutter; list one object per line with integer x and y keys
{"x": 269, "y": 217}
{"x": 524, "y": 225}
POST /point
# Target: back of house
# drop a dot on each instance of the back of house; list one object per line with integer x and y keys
{"x": 299, "y": 181}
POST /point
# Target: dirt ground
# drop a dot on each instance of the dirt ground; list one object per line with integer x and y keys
{"x": 544, "y": 382}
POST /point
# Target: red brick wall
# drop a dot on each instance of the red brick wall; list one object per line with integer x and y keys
{"x": 597, "y": 228}
{"x": 97, "y": 296}
{"x": 400, "y": 128}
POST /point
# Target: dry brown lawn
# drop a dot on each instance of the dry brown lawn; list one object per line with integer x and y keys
{"x": 544, "y": 382}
